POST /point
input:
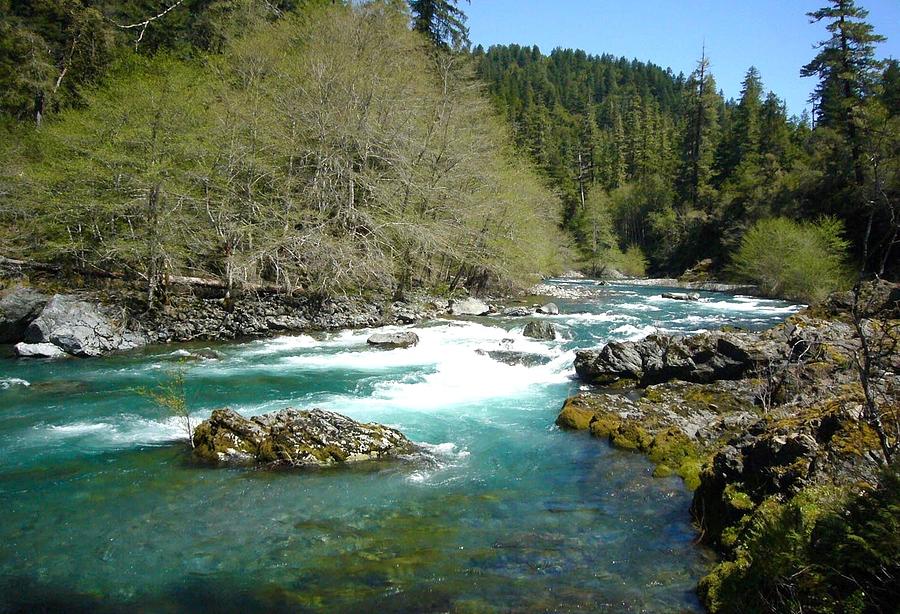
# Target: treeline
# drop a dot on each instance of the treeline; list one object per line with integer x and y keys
{"x": 647, "y": 159}
{"x": 331, "y": 149}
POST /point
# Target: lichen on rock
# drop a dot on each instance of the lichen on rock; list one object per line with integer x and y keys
{"x": 297, "y": 438}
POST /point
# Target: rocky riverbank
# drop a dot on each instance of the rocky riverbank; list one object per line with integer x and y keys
{"x": 759, "y": 426}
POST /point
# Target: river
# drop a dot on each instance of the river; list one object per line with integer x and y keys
{"x": 103, "y": 509}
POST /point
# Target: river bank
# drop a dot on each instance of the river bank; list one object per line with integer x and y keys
{"x": 772, "y": 432}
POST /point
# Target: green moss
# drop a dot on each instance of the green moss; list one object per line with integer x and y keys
{"x": 738, "y": 499}
{"x": 621, "y": 384}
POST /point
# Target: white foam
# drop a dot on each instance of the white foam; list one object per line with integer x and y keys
{"x": 634, "y": 333}
{"x": 8, "y": 382}
{"x": 638, "y": 306}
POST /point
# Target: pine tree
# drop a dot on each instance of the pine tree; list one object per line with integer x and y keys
{"x": 847, "y": 71}
{"x": 700, "y": 134}
{"x": 440, "y": 20}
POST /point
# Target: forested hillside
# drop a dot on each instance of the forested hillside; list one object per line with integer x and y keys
{"x": 662, "y": 162}
{"x": 327, "y": 148}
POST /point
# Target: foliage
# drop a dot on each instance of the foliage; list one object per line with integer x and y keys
{"x": 170, "y": 395}
{"x": 821, "y": 551}
{"x": 442, "y": 21}
{"x": 329, "y": 151}
{"x": 803, "y": 261}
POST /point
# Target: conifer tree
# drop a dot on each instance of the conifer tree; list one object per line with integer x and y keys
{"x": 847, "y": 72}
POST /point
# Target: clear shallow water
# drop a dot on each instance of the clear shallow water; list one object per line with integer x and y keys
{"x": 103, "y": 509}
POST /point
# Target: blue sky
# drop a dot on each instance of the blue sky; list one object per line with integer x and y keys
{"x": 773, "y": 35}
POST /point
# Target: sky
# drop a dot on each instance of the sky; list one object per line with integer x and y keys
{"x": 773, "y": 35}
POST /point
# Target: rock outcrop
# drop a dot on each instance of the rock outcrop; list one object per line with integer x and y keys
{"x": 756, "y": 423}
{"x": 537, "y": 329}
{"x": 79, "y": 328}
{"x": 402, "y": 339}
{"x": 18, "y": 307}
{"x": 294, "y": 438}
{"x": 469, "y": 307}
{"x": 699, "y": 358}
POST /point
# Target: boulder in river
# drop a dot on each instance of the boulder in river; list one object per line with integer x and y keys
{"x": 681, "y": 296}
{"x": 38, "y": 350}
{"x": 469, "y": 307}
{"x": 18, "y": 308}
{"x": 78, "y": 328}
{"x": 549, "y": 309}
{"x": 544, "y": 331}
{"x": 402, "y": 339}
{"x": 516, "y": 312}
{"x": 296, "y": 438}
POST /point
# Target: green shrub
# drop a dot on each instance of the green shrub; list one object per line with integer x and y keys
{"x": 632, "y": 262}
{"x": 822, "y": 551}
{"x": 796, "y": 260}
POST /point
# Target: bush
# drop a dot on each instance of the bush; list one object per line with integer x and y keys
{"x": 796, "y": 260}
{"x": 822, "y": 551}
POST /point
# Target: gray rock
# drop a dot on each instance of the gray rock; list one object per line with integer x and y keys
{"x": 38, "y": 350}
{"x": 18, "y": 308}
{"x": 681, "y": 296}
{"x": 297, "y": 438}
{"x": 540, "y": 330}
{"x": 700, "y": 358}
{"x": 78, "y": 328}
{"x": 469, "y": 307}
{"x": 403, "y": 339}
{"x": 550, "y": 309}
{"x": 516, "y": 312}
{"x": 513, "y": 358}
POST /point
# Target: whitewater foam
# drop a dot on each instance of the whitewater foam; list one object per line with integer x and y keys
{"x": 8, "y": 382}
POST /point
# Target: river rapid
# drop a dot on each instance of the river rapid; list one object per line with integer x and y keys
{"x": 103, "y": 510}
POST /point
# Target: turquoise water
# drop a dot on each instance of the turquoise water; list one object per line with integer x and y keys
{"x": 103, "y": 510}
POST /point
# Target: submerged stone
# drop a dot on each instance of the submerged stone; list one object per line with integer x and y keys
{"x": 292, "y": 437}
{"x": 403, "y": 339}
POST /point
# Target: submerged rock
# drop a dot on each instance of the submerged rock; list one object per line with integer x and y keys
{"x": 38, "y": 350}
{"x": 469, "y": 307}
{"x": 540, "y": 330}
{"x": 403, "y": 339}
{"x": 297, "y": 438}
{"x": 516, "y": 312}
{"x": 18, "y": 308}
{"x": 549, "y": 309}
{"x": 513, "y": 358}
{"x": 681, "y": 296}
{"x": 78, "y": 328}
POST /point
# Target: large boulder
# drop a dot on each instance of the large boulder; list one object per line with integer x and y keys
{"x": 292, "y": 437}
{"x": 702, "y": 358}
{"x": 403, "y": 339}
{"x": 18, "y": 308}
{"x": 78, "y": 328}
{"x": 544, "y": 331}
{"x": 469, "y": 307}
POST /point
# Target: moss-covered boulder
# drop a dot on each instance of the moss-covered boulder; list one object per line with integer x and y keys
{"x": 293, "y": 437}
